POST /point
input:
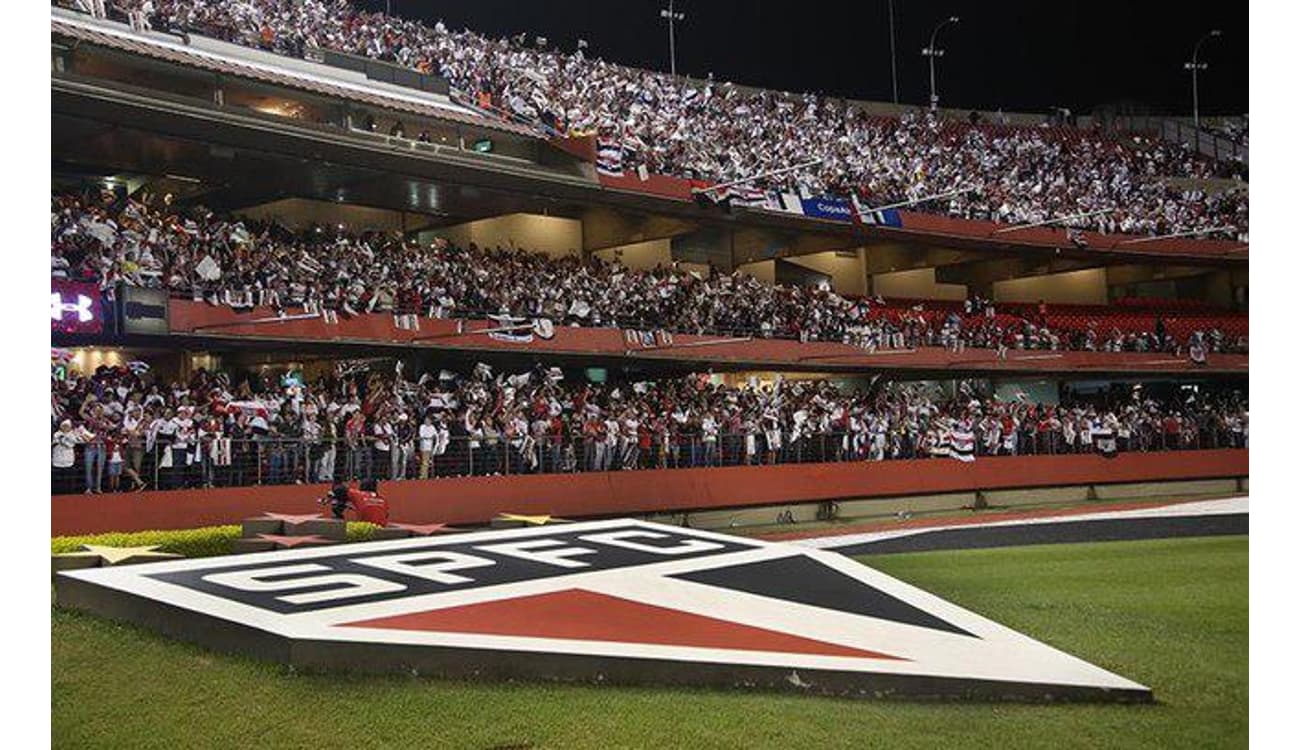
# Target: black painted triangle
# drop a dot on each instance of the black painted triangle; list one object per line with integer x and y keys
{"x": 806, "y": 581}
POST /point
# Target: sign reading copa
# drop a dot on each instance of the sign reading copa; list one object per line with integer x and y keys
{"x": 826, "y": 207}
{"x": 143, "y": 310}
{"x": 75, "y": 307}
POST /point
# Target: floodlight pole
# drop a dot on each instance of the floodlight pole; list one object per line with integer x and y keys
{"x": 1186, "y": 233}
{"x": 1196, "y": 66}
{"x": 933, "y": 52}
{"x": 925, "y": 199}
{"x": 759, "y": 176}
{"x": 893, "y": 56}
{"x": 672, "y": 16}
{"x": 1057, "y": 220}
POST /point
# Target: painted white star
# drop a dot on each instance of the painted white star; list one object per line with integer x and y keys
{"x": 116, "y": 555}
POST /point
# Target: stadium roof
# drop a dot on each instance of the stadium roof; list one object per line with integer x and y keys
{"x": 230, "y": 59}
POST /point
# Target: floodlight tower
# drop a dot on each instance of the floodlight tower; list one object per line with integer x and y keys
{"x": 671, "y": 15}
{"x": 1196, "y": 66}
{"x": 932, "y": 52}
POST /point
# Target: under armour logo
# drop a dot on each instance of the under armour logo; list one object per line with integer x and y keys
{"x": 58, "y": 308}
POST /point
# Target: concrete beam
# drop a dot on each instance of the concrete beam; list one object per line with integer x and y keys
{"x": 603, "y": 228}
{"x": 887, "y": 257}
{"x": 1133, "y": 273}
{"x": 750, "y": 244}
{"x": 981, "y": 274}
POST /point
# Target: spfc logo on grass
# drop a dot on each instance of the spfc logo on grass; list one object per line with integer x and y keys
{"x": 618, "y": 601}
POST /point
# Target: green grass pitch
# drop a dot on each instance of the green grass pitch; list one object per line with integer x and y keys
{"x": 1171, "y": 614}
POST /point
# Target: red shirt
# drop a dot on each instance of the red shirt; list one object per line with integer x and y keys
{"x": 369, "y": 506}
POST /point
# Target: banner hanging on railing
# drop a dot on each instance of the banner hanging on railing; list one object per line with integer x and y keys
{"x": 827, "y": 207}
{"x": 785, "y": 202}
{"x": 647, "y": 339}
{"x": 143, "y": 310}
{"x": 745, "y": 196}
{"x": 516, "y": 330}
{"x": 889, "y": 217}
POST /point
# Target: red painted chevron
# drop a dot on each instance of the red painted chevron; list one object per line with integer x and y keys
{"x": 576, "y": 614}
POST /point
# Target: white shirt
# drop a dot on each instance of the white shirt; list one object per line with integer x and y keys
{"x": 427, "y": 433}
{"x": 382, "y": 433}
{"x": 64, "y": 451}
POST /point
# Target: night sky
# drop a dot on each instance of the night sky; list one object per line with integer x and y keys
{"x": 1017, "y": 55}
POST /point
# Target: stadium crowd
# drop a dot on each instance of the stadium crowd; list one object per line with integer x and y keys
{"x": 109, "y": 238}
{"x": 121, "y": 428}
{"x": 712, "y": 131}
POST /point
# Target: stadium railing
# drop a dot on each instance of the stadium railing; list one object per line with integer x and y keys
{"x": 279, "y": 461}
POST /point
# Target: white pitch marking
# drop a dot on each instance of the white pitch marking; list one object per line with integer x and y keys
{"x": 1226, "y": 506}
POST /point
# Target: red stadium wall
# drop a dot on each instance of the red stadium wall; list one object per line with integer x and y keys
{"x": 581, "y": 146}
{"x": 477, "y": 499}
{"x": 933, "y": 225}
{"x": 661, "y": 186}
{"x": 655, "y": 184}
{"x": 199, "y": 318}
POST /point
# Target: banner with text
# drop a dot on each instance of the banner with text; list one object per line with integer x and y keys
{"x": 827, "y": 207}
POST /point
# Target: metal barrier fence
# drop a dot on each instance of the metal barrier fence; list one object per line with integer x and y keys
{"x": 1179, "y": 130}
{"x": 269, "y": 461}
{"x": 1210, "y": 144}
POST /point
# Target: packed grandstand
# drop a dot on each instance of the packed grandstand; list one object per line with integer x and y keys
{"x": 717, "y": 131}
{"x": 133, "y": 430}
{"x": 107, "y": 239}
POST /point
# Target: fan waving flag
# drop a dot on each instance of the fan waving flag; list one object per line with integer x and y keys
{"x": 962, "y": 444}
{"x": 251, "y": 408}
{"x": 609, "y": 158}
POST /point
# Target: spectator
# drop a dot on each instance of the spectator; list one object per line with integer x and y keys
{"x": 64, "y": 457}
{"x": 717, "y": 131}
{"x": 533, "y": 421}
{"x": 243, "y": 264}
